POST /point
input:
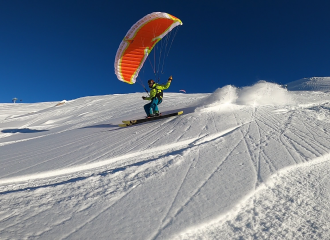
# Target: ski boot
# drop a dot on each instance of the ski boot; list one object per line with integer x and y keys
{"x": 151, "y": 116}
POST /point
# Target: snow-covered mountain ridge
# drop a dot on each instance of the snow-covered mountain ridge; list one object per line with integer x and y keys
{"x": 240, "y": 163}
{"x": 310, "y": 84}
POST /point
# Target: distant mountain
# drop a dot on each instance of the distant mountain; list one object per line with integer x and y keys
{"x": 310, "y": 84}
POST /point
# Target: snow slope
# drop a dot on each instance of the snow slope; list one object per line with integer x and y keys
{"x": 310, "y": 84}
{"x": 239, "y": 164}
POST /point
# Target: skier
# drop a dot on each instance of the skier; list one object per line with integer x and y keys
{"x": 156, "y": 97}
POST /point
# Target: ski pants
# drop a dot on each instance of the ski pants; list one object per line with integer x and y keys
{"x": 152, "y": 107}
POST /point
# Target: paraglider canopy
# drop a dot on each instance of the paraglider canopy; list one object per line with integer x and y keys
{"x": 139, "y": 41}
{"x": 182, "y": 91}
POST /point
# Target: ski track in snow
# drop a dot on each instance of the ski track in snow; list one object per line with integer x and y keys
{"x": 291, "y": 205}
{"x": 220, "y": 171}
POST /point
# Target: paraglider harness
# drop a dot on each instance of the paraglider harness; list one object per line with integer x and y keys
{"x": 159, "y": 93}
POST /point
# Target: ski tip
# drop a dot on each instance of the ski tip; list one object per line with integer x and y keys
{"x": 181, "y": 112}
{"x": 122, "y": 125}
{"x": 126, "y": 122}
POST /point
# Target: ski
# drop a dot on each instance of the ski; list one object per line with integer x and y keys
{"x": 137, "y": 121}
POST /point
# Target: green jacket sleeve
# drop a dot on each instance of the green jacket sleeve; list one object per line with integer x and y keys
{"x": 153, "y": 91}
{"x": 164, "y": 86}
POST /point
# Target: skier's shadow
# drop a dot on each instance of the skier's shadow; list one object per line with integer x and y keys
{"x": 113, "y": 127}
{"x": 101, "y": 126}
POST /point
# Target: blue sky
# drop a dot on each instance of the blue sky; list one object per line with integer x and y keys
{"x": 52, "y": 50}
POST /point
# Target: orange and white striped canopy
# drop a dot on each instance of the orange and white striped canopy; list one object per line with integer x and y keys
{"x": 139, "y": 41}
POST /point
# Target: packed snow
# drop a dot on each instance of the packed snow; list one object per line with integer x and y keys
{"x": 240, "y": 163}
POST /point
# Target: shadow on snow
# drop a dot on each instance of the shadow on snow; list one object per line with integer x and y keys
{"x": 101, "y": 126}
{"x": 22, "y": 130}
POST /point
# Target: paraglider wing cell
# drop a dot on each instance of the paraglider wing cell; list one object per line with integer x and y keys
{"x": 139, "y": 41}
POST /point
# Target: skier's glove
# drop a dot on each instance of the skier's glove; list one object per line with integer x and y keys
{"x": 170, "y": 79}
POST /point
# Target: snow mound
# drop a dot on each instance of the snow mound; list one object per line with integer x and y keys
{"x": 261, "y": 94}
{"x": 310, "y": 84}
